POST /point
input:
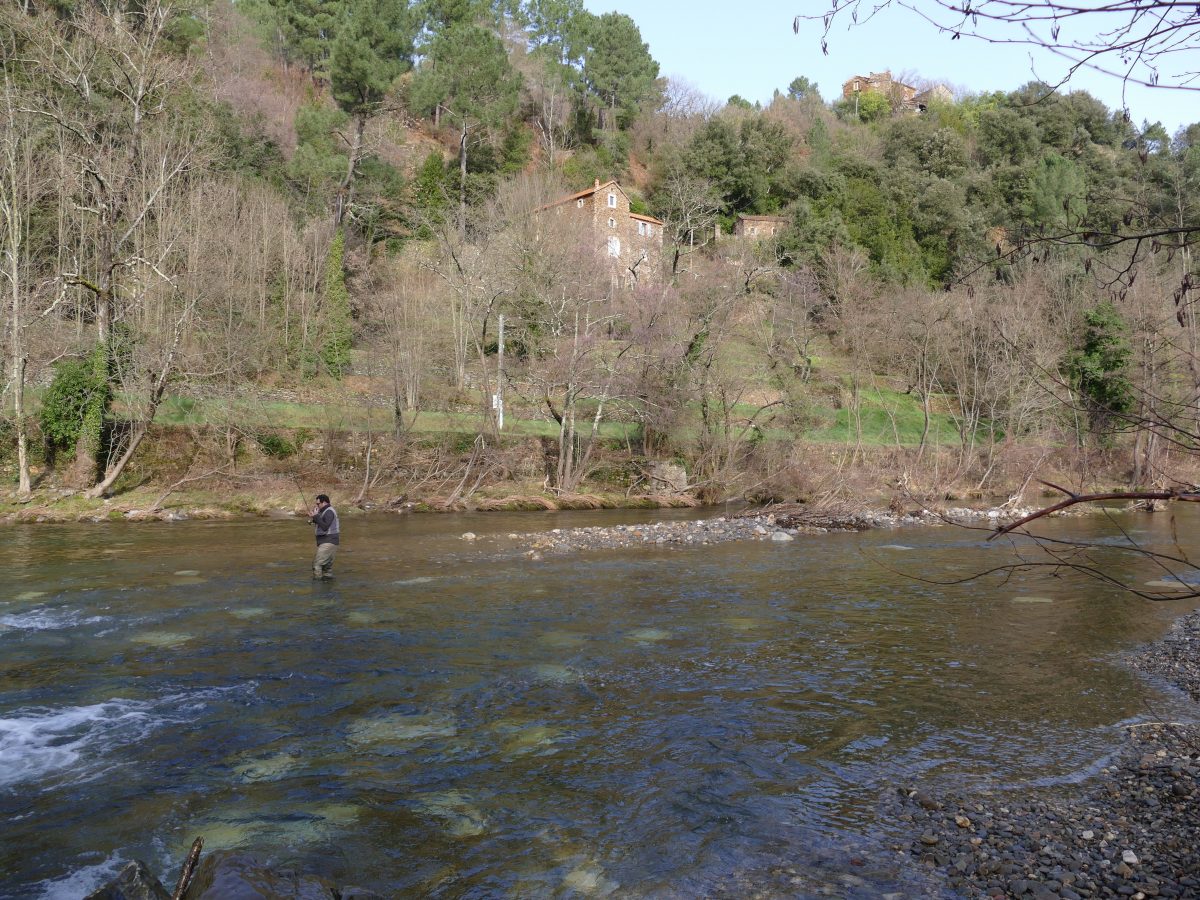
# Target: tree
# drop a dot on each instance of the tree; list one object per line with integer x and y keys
{"x": 467, "y": 76}
{"x": 801, "y": 88}
{"x": 335, "y": 350}
{"x": 1098, "y": 370}
{"x": 617, "y": 67}
{"x": 24, "y": 186}
{"x": 373, "y": 47}
{"x": 307, "y": 29}
{"x": 1136, "y": 42}
{"x": 112, "y": 81}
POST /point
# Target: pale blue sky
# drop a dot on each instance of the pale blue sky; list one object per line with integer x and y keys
{"x": 748, "y": 48}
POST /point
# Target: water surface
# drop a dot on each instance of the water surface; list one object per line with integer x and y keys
{"x": 451, "y": 718}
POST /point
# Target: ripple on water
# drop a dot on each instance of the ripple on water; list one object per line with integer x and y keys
{"x": 82, "y": 882}
{"x": 44, "y": 619}
{"x": 1027, "y": 599}
{"x": 39, "y": 742}
{"x": 29, "y": 595}
{"x": 248, "y": 612}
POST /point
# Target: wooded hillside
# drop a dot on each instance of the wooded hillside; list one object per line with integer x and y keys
{"x": 283, "y": 233}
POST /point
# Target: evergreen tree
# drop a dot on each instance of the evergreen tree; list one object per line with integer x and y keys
{"x": 1098, "y": 370}
{"x": 468, "y": 77}
{"x": 617, "y": 67}
{"x": 803, "y": 89}
{"x": 308, "y": 28}
{"x": 373, "y": 48}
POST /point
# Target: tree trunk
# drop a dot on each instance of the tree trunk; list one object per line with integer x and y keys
{"x": 23, "y": 483}
{"x": 139, "y": 434}
{"x": 462, "y": 179}
{"x": 346, "y": 189}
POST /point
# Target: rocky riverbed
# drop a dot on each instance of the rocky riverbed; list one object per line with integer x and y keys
{"x": 1133, "y": 830}
{"x": 781, "y": 524}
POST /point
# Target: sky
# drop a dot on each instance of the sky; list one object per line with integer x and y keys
{"x": 748, "y": 48}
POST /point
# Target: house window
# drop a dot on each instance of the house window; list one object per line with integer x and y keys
{"x": 754, "y": 229}
{"x": 579, "y": 202}
{"x": 612, "y": 201}
{"x": 612, "y": 223}
{"x": 641, "y": 227}
{"x": 649, "y": 229}
{"x": 856, "y": 86}
{"x": 614, "y": 246}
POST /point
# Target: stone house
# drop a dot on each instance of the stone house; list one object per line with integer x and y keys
{"x": 759, "y": 227}
{"x": 900, "y": 94}
{"x": 903, "y": 97}
{"x": 631, "y": 241}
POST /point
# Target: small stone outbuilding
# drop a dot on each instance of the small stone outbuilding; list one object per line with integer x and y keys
{"x": 759, "y": 227}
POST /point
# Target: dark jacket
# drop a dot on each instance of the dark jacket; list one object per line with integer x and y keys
{"x": 326, "y": 522}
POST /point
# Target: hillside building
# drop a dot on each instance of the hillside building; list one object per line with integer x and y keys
{"x": 759, "y": 227}
{"x": 632, "y": 242}
{"x": 903, "y": 97}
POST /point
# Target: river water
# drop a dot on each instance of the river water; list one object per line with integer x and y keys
{"x": 450, "y": 718}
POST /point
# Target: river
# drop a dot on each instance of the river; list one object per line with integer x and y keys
{"x": 452, "y": 718}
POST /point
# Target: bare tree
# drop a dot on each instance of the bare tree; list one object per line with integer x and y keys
{"x": 1138, "y": 42}
{"x": 114, "y": 82}
{"x": 23, "y": 186}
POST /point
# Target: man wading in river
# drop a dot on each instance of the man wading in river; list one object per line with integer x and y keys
{"x": 324, "y": 517}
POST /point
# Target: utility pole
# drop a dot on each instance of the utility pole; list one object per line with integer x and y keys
{"x": 500, "y": 378}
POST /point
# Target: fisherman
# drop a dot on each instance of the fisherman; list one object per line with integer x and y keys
{"x": 325, "y": 518}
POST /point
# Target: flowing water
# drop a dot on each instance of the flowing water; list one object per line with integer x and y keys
{"x": 451, "y": 718}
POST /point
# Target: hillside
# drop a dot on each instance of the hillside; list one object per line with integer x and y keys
{"x": 285, "y": 254}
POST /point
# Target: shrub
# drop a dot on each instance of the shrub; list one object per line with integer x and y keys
{"x": 76, "y": 401}
{"x": 275, "y": 446}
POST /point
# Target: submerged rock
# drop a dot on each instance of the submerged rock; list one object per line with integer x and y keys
{"x": 234, "y": 875}
{"x": 135, "y": 882}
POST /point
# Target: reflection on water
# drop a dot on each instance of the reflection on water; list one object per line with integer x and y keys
{"x": 454, "y": 718}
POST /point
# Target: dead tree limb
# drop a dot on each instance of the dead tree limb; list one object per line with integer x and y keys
{"x": 1189, "y": 496}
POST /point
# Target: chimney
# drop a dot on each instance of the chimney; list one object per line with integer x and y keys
{"x": 597, "y": 183}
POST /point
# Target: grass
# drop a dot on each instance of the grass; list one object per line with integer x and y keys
{"x": 344, "y": 417}
{"x": 887, "y": 418}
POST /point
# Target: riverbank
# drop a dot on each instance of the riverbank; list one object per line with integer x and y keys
{"x": 1130, "y": 831}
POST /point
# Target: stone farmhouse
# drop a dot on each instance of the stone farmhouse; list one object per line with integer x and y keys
{"x": 759, "y": 227}
{"x": 631, "y": 241}
{"x": 903, "y": 97}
